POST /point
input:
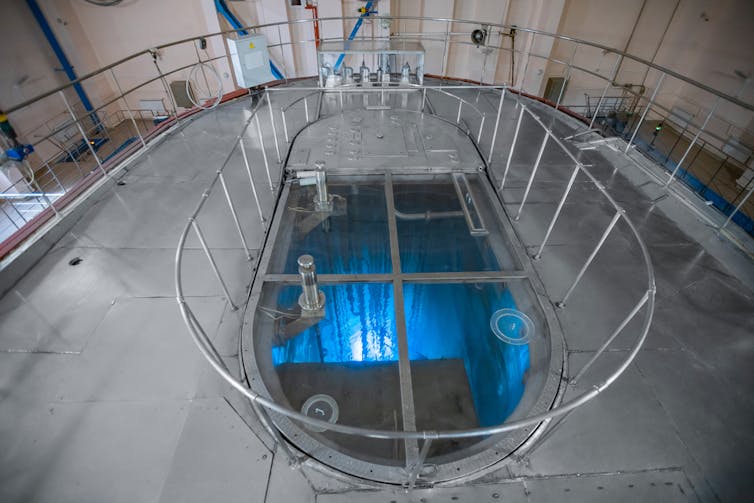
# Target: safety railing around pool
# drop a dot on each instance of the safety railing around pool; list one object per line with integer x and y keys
{"x": 74, "y": 147}
{"x": 279, "y": 107}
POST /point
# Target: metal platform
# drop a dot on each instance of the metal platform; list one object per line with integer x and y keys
{"x": 103, "y": 396}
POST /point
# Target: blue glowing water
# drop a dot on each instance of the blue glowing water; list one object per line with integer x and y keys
{"x": 442, "y": 320}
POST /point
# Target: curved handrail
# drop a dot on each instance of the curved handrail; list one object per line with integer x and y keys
{"x": 579, "y": 41}
{"x": 209, "y": 352}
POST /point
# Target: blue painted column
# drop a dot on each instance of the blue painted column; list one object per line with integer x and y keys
{"x": 67, "y": 67}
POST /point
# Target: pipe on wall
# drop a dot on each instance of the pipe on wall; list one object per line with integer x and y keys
{"x": 63, "y": 59}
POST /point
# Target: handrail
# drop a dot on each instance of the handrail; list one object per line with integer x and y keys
{"x": 603, "y": 47}
{"x": 207, "y": 349}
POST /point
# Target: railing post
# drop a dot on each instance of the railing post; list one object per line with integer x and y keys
{"x": 567, "y": 76}
{"x": 513, "y": 147}
{"x": 234, "y": 213}
{"x": 130, "y": 113}
{"x": 612, "y": 337}
{"x": 526, "y": 66}
{"x": 212, "y": 263}
{"x": 165, "y": 85}
{"x": 424, "y": 99}
{"x": 306, "y": 109}
{"x": 285, "y": 125}
{"x": 644, "y": 114}
{"x": 458, "y": 115}
{"x": 272, "y": 122}
{"x": 743, "y": 201}
{"x": 589, "y": 260}
{"x": 83, "y": 134}
{"x": 497, "y": 124}
{"x": 533, "y": 173}
{"x": 445, "y": 53}
{"x": 414, "y": 468}
{"x": 264, "y": 152}
{"x": 481, "y": 128}
{"x": 562, "y": 201}
{"x": 604, "y": 91}
{"x": 693, "y": 142}
{"x": 251, "y": 179}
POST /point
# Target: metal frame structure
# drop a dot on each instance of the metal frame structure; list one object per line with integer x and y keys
{"x": 417, "y": 441}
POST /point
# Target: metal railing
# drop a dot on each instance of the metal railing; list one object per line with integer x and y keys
{"x": 97, "y": 166}
{"x": 263, "y": 406}
{"x": 90, "y": 157}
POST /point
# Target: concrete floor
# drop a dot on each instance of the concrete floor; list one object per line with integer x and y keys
{"x": 103, "y": 396}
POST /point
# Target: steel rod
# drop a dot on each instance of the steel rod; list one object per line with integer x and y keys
{"x": 497, "y": 124}
{"x": 481, "y": 128}
{"x": 234, "y": 213}
{"x": 589, "y": 260}
{"x": 264, "y": 152}
{"x": 526, "y": 66}
{"x": 83, "y": 134}
{"x": 561, "y": 203}
{"x": 306, "y": 110}
{"x": 274, "y": 129}
{"x": 458, "y": 116}
{"x": 614, "y": 73}
{"x": 743, "y": 201}
{"x": 211, "y": 260}
{"x": 533, "y": 173}
{"x": 693, "y": 142}
{"x": 567, "y": 77}
{"x": 251, "y": 179}
{"x": 415, "y": 468}
{"x": 644, "y": 113}
{"x": 130, "y": 113}
{"x": 513, "y": 146}
{"x": 612, "y": 337}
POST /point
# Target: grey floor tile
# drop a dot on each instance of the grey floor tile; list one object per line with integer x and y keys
{"x": 93, "y": 451}
{"x": 217, "y": 458}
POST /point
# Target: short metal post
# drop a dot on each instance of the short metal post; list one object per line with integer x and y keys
{"x": 458, "y": 115}
{"x": 481, "y": 128}
{"x": 264, "y": 152}
{"x": 561, "y": 203}
{"x": 251, "y": 179}
{"x": 604, "y": 91}
{"x": 424, "y": 99}
{"x": 612, "y": 337}
{"x": 693, "y": 142}
{"x": 306, "y": 110}
{"x": 212, "y": 263}
{"x": 513, "y": 146}
{"x": 311, "y": 297}
{"x": 234, "y": 213}
{"x": 589, "y": 260}
{"x": 644, "y": 114}
{"x": 533, "y": 173}
{"x": 130, "y": 113}
{"x": 83, "y": 134}
{"x": 282, "y": 56}
{"x": 415, "y": 468}
{"x": 274, "y": 129}
{"x": 743, "y": 201}
{"x": 567, "y": 77}
{"x": 340, "y": 97}
{"x": 285, "y": 126}
{"x": 494, "y": 132}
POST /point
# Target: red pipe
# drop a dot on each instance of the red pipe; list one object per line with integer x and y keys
{"x": 312, "y": 6}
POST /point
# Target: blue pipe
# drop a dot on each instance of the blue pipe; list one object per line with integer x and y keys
{"x": 222, "y": 9}
{"x": 355, "y": 30}
{"x": 67, "y": 67}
